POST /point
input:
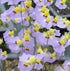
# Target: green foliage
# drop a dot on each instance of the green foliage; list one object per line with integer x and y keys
{"x": 4, "y": 47}
{"x": 2, "y": 25}
{"x": 68, "y": 2}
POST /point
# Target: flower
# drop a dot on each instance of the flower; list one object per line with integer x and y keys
{"x": 25, "y": 66}
{"x": 10, "y": 1}
{"x": 28, "y": 41}
{"x": 3, "y": 55}
{"x": 59, "y": 68}
{"x": 66, "y": 65}
{"x": 48, "y": 2}
{"x": 28, "y": 50}
{"x": 38, "y": 64}
{"x": 51, "y": 57}
{"x": 14, "y": 44}
{"x": 61, "y": 44}
{"x": 61, "y": 4}
{"x": 8, "y": 35}
{"x": 6, "y": 16}
{"x": 39, "y": 2}
{"x": 24, "y": 62}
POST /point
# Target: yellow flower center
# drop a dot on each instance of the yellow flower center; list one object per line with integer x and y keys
{"x": 43, "y": 8}
{"x": 56, "y": 19}
{"x": 63, "y": 2}
{"x": 39, "y": 50}
{"x": 1, "y": 40}
{"x": 48, "y": 19}
{"x": 27, "y": 18}
{"x": 36, "y": 24}
{"x": 36, "y": 29}
{"x": 38, "y": 61}
{"x": 26, "y": 64}
{"x": 53, "y": 55}
{"x": 49, "y": 0}
{"x": 19, "y": 42}
{"x": 11, "y": 33}
{"x": 27, "y": 31}
{"x": 52, "y": 30}
{"x": 45, "y": 50}
{"x": 27, "y": 48}
{"x": 62, "y": 41}
{"x": 7, "y": 18}
{"x": 69, "y": 64}
{"x": 46, "y": 13}
{"x": 63, "y": 19}
{"x": 17, "y": 9}
{"x": 67, "y": 22}
{"x": 23, "y": 9}
{"x": 66, "y": 36}
{"x": 28, "y": 3}
{"x": 40, "y": 0}
{"x": 26, "y": 37}
{"x": 47, "y": 34}
{"x": 32, "y": 59}
{"x": 4, "y": 53}
{"x": 16, "y": 19}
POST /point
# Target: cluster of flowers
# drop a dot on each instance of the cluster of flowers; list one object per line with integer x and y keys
{"x": 32, "y": 43}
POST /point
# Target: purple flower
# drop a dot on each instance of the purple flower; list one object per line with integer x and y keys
{"x": 48, "y": 2}
{"x": 47, "y": 37}
{"x": 59, "y": 68}
{"x": 51, "y": 57}
{"x": 28, "y": 50}
{"x": 28, "y": 41}
{"x": 40, "y": 39}
{"x": 34, "y": 28}
{"x": 66, "y": 65}
{"x": 8, "y": 35}
{"x": 46, "y": 57}
{"x": 5, "y": 17}
{"x": 10, "y": 1}
{"x": 24, "y": 19}
{"x": 39, "y": 57}
{"x": 14, "y": 44}
{"x": 24, "y": 57}
{"x": 24, "y": 62}
{"x": 39, "y": 2}
{"x": 3, "y": 55}
{"x": 38, "y": 66}
{"x": 61, "y": 44}
{"x": 61, "y": 4}
{"x": 3, "y": 1}
{"x": 21, "y": 33}
{"x": 49, "y": 20}
{"x": 64, "y": 23}
{"x": 57, "y": 21}
{"x": 24, "y": 67}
